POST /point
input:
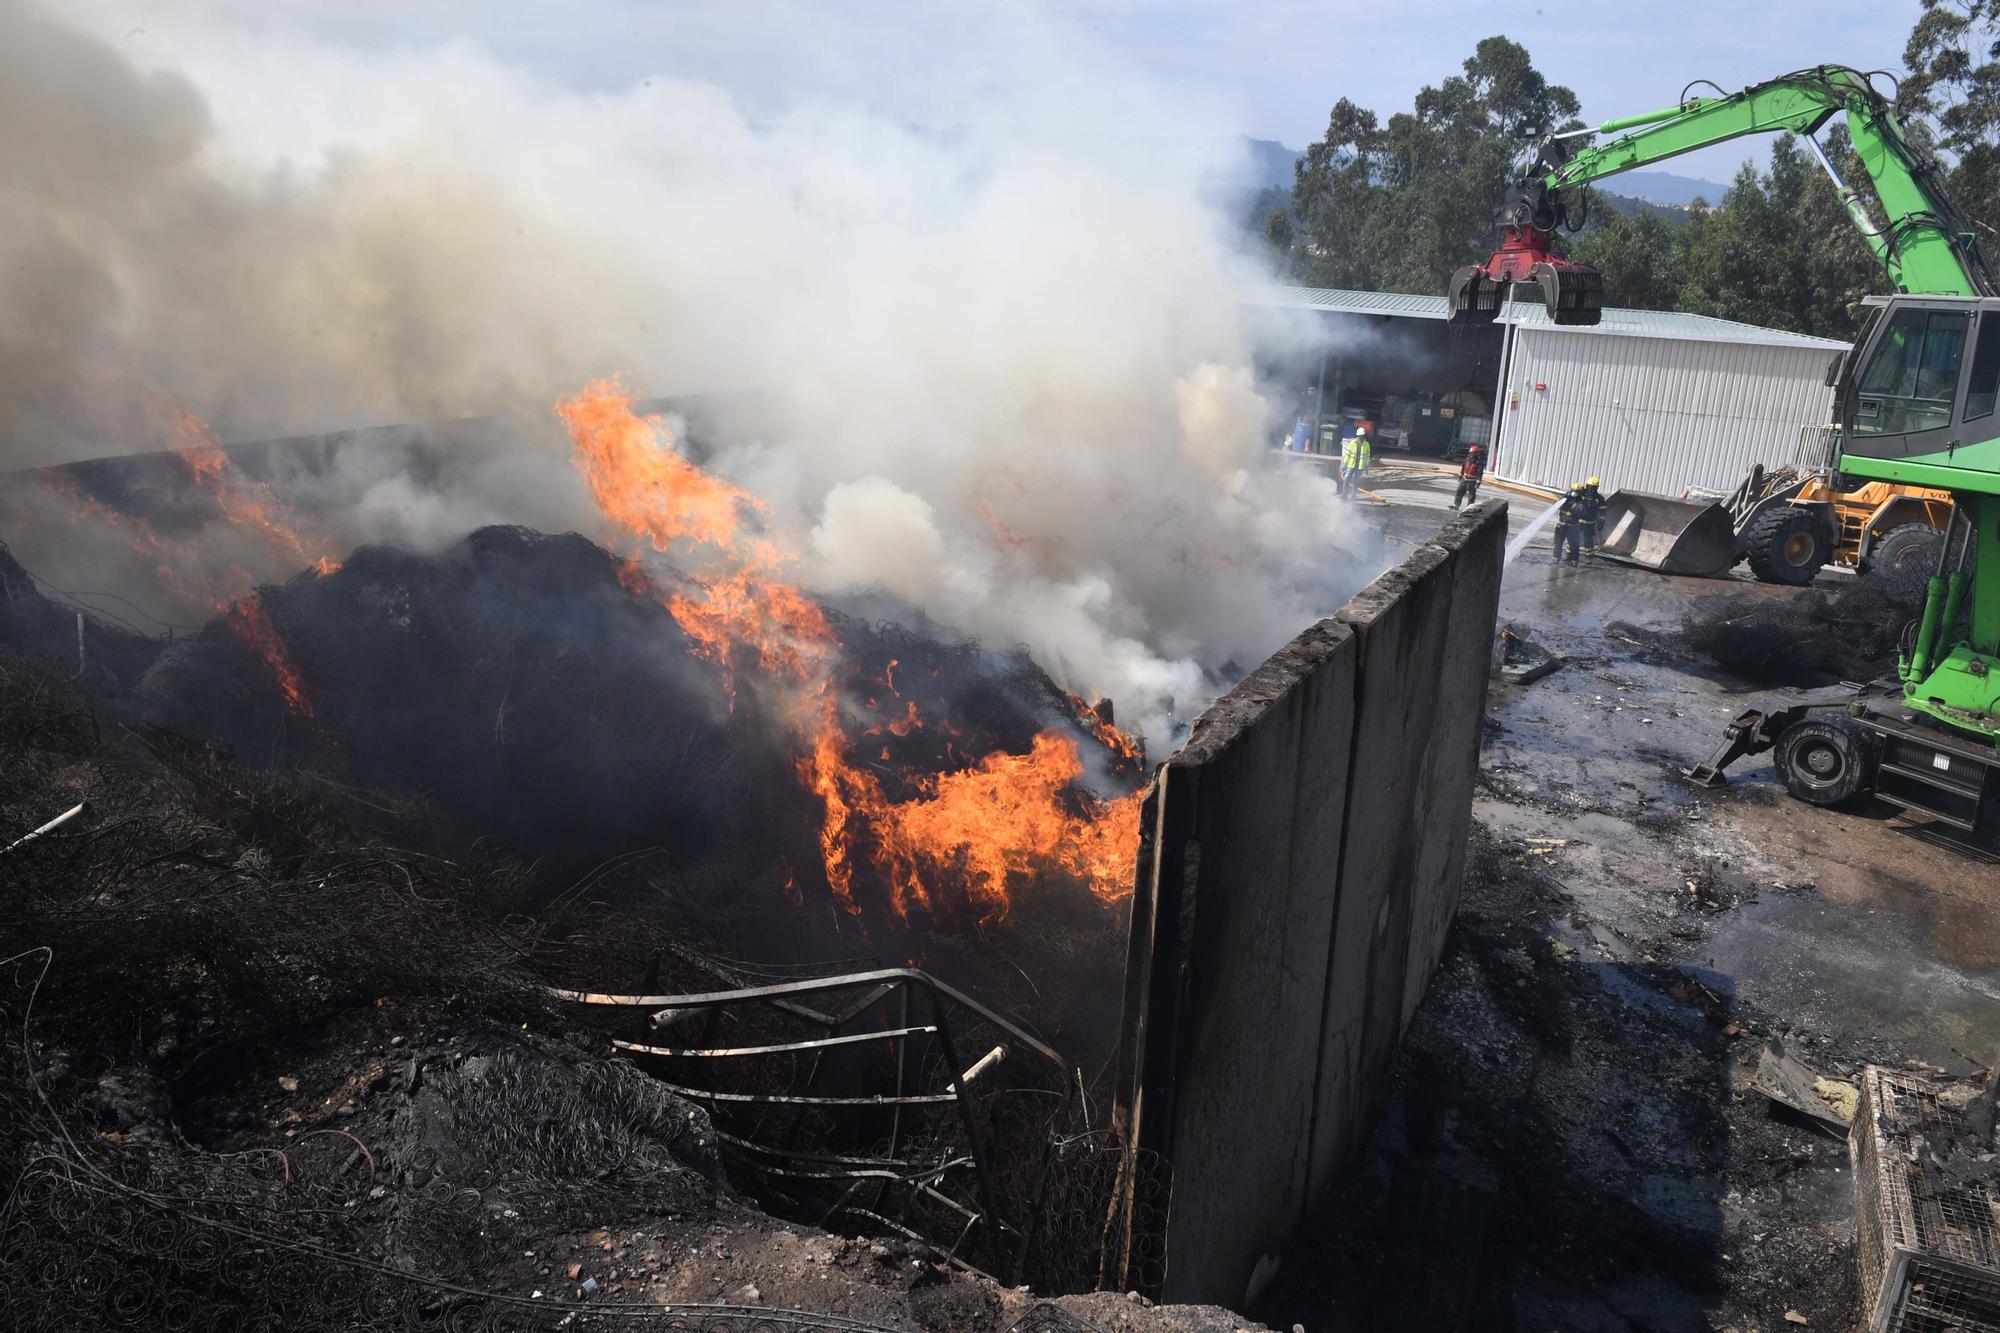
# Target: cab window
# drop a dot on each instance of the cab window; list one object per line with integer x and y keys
{"x": 1984, "y": 386}
{"x": 1909, "y": 381}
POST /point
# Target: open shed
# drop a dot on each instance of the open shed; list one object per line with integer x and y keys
{"x": 1647, "y": 400}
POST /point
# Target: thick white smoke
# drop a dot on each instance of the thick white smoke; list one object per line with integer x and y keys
{"x": 999, "y": 361}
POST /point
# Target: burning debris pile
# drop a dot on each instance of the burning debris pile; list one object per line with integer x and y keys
{"x": 613, "y": 768}
{"x": 974, "y": 828}
{"x": 577, "y": 705}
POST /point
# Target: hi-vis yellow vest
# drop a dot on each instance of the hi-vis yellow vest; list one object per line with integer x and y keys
{"x": 1355, "y": 452}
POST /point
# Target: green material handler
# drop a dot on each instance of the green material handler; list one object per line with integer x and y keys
{"x": 1915, "y": 403}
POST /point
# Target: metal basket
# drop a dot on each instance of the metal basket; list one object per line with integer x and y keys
{"x": 1929, "y": 1240}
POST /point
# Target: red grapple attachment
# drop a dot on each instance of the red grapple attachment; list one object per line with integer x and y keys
{"x": 1475, "y": 298}
{"x": 1573, "y": 293}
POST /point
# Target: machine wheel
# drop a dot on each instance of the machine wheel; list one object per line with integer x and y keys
{"x": 1787, "y": 545}
{"x": 1825, "y": 760}
{"x": 1906, "y": 556}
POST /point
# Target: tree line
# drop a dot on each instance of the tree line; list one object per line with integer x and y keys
{"x": 1399, "y": 205}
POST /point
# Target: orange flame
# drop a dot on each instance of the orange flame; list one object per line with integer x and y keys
{"x": 910, "y": 721}
{"x": 248, "y": 503}
{"x": 980, "y": 827}
{"x": 138, "y": 533}
{"x": 1004, "y": 817}
{"x": 246, "y": 619}
{"x": 1107, "y": 735}
{"x": 244, "y": 503}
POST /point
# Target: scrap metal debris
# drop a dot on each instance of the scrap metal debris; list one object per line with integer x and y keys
{"x": 1519, "y": 659}
{"x": 895, "y": 1141}
{"x": 1827, "y": 1102}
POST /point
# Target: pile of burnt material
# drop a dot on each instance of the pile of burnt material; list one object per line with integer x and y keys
{"x": 243, "y": 1033}
{"x": 521, "y": 683}
{"x": 530, "y": 696}
{"x": 1807, "y": 637}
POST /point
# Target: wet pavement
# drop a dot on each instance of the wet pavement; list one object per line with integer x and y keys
{"x": 1628, "y": 944}
{"x": 1840, "y": 921}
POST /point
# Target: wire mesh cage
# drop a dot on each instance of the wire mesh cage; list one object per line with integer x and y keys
{"x": 1100, "y": 1217}
{"x": 885, "y": 1102}
{"x": 1927, "y": 1203}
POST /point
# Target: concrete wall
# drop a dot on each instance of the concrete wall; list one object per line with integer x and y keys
{"x": 1655, "y": 414}
{"x": 1300, "y": 862}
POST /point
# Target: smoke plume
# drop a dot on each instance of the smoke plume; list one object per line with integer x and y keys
{"x": 989, "y": 334}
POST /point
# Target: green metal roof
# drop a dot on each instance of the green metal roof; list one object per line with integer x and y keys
{"x": 1530, "y": 314}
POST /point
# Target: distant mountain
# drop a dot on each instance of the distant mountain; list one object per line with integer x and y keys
{"x": 1663, "y": 187}
{"x": 1602, "y": 200}
{"x": 1271, "y": 163}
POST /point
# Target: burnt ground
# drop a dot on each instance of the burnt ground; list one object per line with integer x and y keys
{"x": 266, "y": 1064}
{"x": 1570, "y": 1140}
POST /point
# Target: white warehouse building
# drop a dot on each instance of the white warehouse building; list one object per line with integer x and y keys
{"x": 1646, "y": 400}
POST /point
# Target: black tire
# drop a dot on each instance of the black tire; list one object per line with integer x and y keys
{"x": 1826, "y": 760}
{"x": 1906, "y": 556}
{"x": 1787, "y": 545}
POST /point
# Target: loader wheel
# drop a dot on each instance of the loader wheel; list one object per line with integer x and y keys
{"x": 1906, "y": 557}
{"x": 1786, "y": 545}
{"x": 1825, "y": 760}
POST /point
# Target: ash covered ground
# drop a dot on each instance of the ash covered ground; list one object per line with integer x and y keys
{"x": 1821, "y": 636}
{"x": 259, "y": 1032}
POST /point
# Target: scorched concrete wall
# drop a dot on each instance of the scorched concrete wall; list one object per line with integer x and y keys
{"x": 1300, "y": 862}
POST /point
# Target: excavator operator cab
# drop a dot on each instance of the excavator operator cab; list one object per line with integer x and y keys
{"x": 1921, "y": 388}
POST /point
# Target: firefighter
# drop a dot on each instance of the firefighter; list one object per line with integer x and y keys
{"x": 1469, "y": 475}
{"x": 1587, "y": 514}
{"x": 1355, "y": 456}
{"x": 1568, "y": 520}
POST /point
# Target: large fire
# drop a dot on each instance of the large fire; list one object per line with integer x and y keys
{"x": 980, "y": 828}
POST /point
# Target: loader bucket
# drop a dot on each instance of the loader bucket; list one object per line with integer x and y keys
{"x": 1673, "y": 536}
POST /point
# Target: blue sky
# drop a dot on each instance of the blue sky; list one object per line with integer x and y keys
{"x": 1269, "y": 68}
{"x": 1290, "y": 60}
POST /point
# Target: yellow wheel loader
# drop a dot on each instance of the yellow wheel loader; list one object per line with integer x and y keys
{"x": 1788, "y": 523}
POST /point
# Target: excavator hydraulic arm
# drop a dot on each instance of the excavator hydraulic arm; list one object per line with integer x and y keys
{"x": 1923, "y": 241}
